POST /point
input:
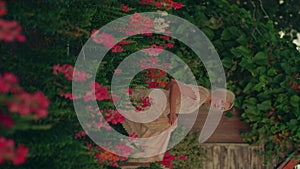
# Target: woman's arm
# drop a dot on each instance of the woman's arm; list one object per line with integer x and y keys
{"x": 176, "y": 88}
{"x": 173, "y": 95}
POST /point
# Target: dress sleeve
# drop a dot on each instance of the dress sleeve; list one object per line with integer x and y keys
{"x": 190, "y": 105}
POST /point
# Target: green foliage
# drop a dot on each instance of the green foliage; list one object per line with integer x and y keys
{"x": 259, "y": 67}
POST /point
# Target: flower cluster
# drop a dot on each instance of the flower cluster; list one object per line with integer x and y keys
{"x": 139, "y": 24}
{"x": 113, "y": 116}
{"x": 70, "y": 73}
{"x": 80, "y": 134}
{"x": 111, "y": 158}
{"x": 103, "y": 38}
{"x": 97, "y": 92}
{"x": 25, "y": 103}
{"x": 8, "y": 152}
{"x": 9, "y": 30}
{"x": 168, "y": 158}
{"x": 20, "y": 101}
{"x": 164, "y": 4}
{"x": 143, "y": 104}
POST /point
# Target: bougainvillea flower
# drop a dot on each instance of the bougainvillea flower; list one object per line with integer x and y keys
{"x": 168, "y": 159}
{"x": 20, "y": 155}
{"x": 9, "y": 153}
{"x": 114, "y": 117}
{"x": 10, "y": 31}
{"x": 117, "y": 49}
{"x": 6, "y": 120}
{"x": 2, "y": 8}
{"x": 125, "y": 8}
{"x": 177, "y": 6}
{"x": 103, "y": 38}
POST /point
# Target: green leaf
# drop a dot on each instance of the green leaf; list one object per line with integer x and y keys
{"x": 295, "y": 101}
{"x": 264, "y": 106}
{"x": 260, "y": 58}
{"x": 227, "y": 62}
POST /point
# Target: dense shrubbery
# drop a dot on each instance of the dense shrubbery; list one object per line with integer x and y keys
{"x": 261, "y": 68}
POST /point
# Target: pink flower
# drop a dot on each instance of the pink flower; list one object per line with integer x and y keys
{"x": 10, "y": 31}
{"x": 8, "y": 82}
{"x": 103, "y": 38}
{"x": 26, "y": 103}
{"x": 153, "y": 60}
{"x": 167, "y": 160}
{"x": 80, "y": 134}
{"x": 20, "y": 155}
{"x": 117, "y": 49}
{"x": 177, "y": 6}
{"x": 129, "y": 91}
{"x": 167, "y": 65}
{"x": 154, "y": 50}
{"x": 153, "y": 84}
{"x": 80, "y": 76}
{"x": 146, "y": 102}
{"x": 10, "y": 78}
{"x": 2, "y": 8}
{"x": 70, "y": 73}
{"x": 158, "y": 4}
{"x": 6, "y": 120}
{"x": 182, "y": 157}
{"x": 165, "y": 37}
{"x": 69, "y": 95}
{"x": 145, "y": 1}
{"x": 124, "y": 42}
{"x": 101, "y": 124}
{"x": 97, "y": 92}
{"x": 138, "y": 24}
{"x": 4, "y": 86}
{"x": 169, "y": 45}
{"x": 9, "y": 153}
{"x": 115, "y": 117}
{"x": 115, "y": 98}
{"x": 123, "y": 150}
{"x": 125, "y": 8}
{"x": 117, "y": 71}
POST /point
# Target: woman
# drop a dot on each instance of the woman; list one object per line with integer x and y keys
{"x": 160, "y": 129}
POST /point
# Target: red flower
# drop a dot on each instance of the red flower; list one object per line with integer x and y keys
{"x": 129, "y": 91}
{"x": 6, "y": 120}
{"x": 145, "y": 1}
{"x": 20, "y": 155}
{"x": 177, "y": 6}
{"x": 10, "y": 31}
{"x": 104, "y": 38}
{"x": 146, "y": 102}
{"x": 2, "y": 8}
{"x": 26, "y": 103}
{"x": 169, "y": 45}
{"x": 167, "y": 160}
{"x": 158, "y": 4}
{"x": 118, "y": 71}
{"x": 115, "y": 117}
{"x": 153, "y": 84}
{"x": 8, "y": 152}
{"x": 167, "y": 65}
{"x": 123, "y": 150}
{"x": 125, "y": 8}
{"x": 80, "y": 134}
{"x": 69, "y": 95}
{"x": 182, "y": 157}
{"x": 8, "y": 82}
{"x": 10, "y": 78}
{"x": 97, "y": 92}
{"x": 117, "y": 49}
